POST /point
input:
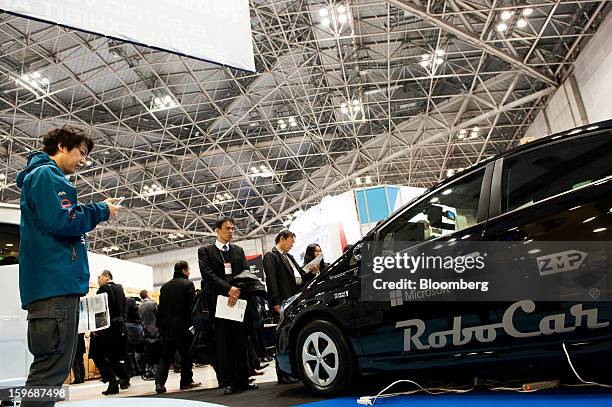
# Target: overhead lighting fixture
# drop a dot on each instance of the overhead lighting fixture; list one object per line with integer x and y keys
{"x": 599, "y": 230}
{"x": 527, "y": 11}
{"x": 353, "y": 109}
{"x": 152, "y": 190}
{"x": 160, "y": 103}
{"x": 439, "y": 52}
{"x": 323, "y": 12}
{"x": 447, "y": 192}
{"x": 501, "y": 27}
{"x": 506, "y": 15}
{"x": 358, "y": 181}
{"x": 433, "y": 59}
{"x": 368, "y": 179}
{"x": 592, "y": 128}
{"x": 521, "y": 23}
{"x": 450, "y": 172}
{"x": 222, "y": 198}
{"x": 341, "y": 9}
{"x": 342, "y": 18}
{"x": 2, "y": 177}
{"x": 252, "y": 124}
{"x": 263, "y": 172}
{"x": 9, "y": 245}
{"x": 88, "y": 162}
{"x": 325, "y": 22}
{"x": 35, "y": 83}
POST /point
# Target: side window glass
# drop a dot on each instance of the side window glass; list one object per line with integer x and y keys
{"x": 9, "y": 244}
{"x": 449, "y": 210}
{"x": 551, "y": 170}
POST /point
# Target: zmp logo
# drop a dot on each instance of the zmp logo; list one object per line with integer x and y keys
{"x": 61, "y": 193}
{"x": 569, "y": 260}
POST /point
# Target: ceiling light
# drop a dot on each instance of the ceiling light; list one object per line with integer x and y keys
{"x": 506, "y": 15}
{"x": 355, "y": 102}
{"x": 343, "y": 109}
{"x": 180, "y": 235}
{"x": 281, "y": 121}
{"x": 501, "y": 27}
{"x": 291, "y": 119}
{"x": 293, "y": 124}
{"x": 521, "y": 23}
{"x": 434, "y": 200}
{"x": 424, "y": 64}
{"x": 341, "y": 9}
{"x": 283, "y": 126}
{"x": 439, "y": 61}
{"x": 2, "y": 176}
{"x": 45, "y": 81}
{"x": 227, "y": 195}
{"x": 447, "y": 192}
{"x": 450, "y": 173}
{"x": 342, "y": 18}
{"x": 254, "y": 169}
{"x": 588, "y": 220}
{"x": 36, "y": 75}
{"x": 462, "y": 131}
{"x": 439, "y": 52}
{"x": 368, "y": 179}
{"x": 425, "y": 57}
{"x": 9, "y": 245}
{"x": 473, "y": 135}
{"x": 88, "y": 162}
{"x": 145, "y": 187}
{"x": 323, "y": 12}
{"x": 358, "y": 181}
{"x": 461, "y": 136}
{"x": 592, "y": 128}
{"x": 527, "y": 11}
{"x": 325, "y": 22}
{"x": 599, "y": 230}
{"x": 252, "y": 124}
{"x": 263, "y": 168}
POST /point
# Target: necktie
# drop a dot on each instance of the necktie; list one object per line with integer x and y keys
{"x": 225, "y": 248}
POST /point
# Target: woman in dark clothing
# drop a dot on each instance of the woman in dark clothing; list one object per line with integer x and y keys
{"x": 312, "y": 251}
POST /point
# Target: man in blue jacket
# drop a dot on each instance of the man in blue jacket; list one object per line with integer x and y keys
{"x": 53, "y": 267}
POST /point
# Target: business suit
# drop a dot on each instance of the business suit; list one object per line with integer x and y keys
{"x": 109, "y": 346}
{"x": 230, "y": 336}
{"x": 280, "y": 277}
{"x": 174, "y": 320}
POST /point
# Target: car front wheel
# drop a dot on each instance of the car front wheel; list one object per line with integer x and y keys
{"x": 325, "y": 358}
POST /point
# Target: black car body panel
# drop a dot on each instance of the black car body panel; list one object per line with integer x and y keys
{"x": 558, "y": 215}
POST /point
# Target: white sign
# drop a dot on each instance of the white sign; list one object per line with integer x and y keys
{"x": 214, "y": 30}
{"x": 94, "y": 314}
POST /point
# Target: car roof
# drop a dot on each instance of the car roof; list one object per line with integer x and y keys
{"x": 553, "y": 138}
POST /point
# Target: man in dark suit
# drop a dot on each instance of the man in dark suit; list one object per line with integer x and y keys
{"x": 284, "y": 277}
{"x": 219, "y": 262}
{"x": 174, "y": 320}
{"x": 109, "y": 346}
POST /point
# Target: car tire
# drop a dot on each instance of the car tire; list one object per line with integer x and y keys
{"x": 325, "y": 359}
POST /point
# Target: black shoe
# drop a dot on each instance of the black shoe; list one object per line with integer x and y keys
{"x": 113, "y": 388}
{"x": 267, "y": 359}
{"x": 262, "y": 366}
{"x": 287, "y": 380}
{"x": 124, "y": 384}
{"x": 230, "y": 390}
{"x": 159, "y": 389}
{"x": 250, "y": 386}
{"x": 191, "y": 385}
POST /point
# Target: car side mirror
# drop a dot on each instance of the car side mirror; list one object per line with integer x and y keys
{"x": 357, "y": 252}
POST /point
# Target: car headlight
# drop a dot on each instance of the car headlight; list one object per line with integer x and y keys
{"x": 287, "y": 303}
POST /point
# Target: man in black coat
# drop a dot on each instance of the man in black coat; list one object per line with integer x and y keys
{"x": 284, "y": 277}
{"x": 174, "y": 320}
{"x": 109, "y": 346}
{"x": 219, "y": 262}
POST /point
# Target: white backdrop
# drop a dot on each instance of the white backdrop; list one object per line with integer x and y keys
{"x": 215, "y": 30}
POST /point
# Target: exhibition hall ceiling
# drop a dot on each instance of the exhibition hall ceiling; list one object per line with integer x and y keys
{"x": 346, "y": 94}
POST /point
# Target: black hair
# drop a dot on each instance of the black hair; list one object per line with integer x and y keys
{"x": 66, "y": 136}
{"x": 284, "y": 234}
{"x": 181, "y": 266}
{"x": 220, "y": 222}
{"x": 144, "y": 294}
{"x": 107, "y": 274}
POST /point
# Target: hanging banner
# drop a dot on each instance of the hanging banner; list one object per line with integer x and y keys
{"x": 218, "y": 31}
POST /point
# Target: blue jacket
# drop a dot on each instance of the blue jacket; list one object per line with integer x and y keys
{"x": 53, "y": 245}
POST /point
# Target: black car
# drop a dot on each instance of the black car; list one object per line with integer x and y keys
{"x": 555, "y": 189}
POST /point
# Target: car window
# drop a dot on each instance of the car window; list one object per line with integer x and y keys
{"x": 551, "y": 170}
{"x": 450, "y": 209}
{"x": 9, "y": 244}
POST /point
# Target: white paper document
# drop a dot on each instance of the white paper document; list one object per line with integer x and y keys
{"x": 93, "y": 313}
{"x": 315, "y": 262}
{"x": 235, "y": 313}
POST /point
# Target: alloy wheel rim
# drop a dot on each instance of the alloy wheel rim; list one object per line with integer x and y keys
{"x": 320, "y": 359}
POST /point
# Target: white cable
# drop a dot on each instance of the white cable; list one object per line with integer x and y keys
{"x": 576, "y": 373}
{"x": 369, "y": 400}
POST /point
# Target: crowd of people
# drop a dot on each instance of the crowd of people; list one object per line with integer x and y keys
{"x": 54, "y": 273}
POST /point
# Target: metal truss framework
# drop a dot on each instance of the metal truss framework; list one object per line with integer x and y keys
{"x": 407, "y": 128}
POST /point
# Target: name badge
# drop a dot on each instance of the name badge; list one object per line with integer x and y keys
{"x": 228, "y": 268}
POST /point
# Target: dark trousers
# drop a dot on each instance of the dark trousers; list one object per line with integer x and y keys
{"x": 231, "y": 339}
{"x": 170, "y": 347}
{"x": 78, "y": 368}
{"x": 52, "y": 339}
{"x": 112, "y": 369}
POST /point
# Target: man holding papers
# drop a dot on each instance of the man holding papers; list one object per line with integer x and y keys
{"x": 219, "y": 263}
